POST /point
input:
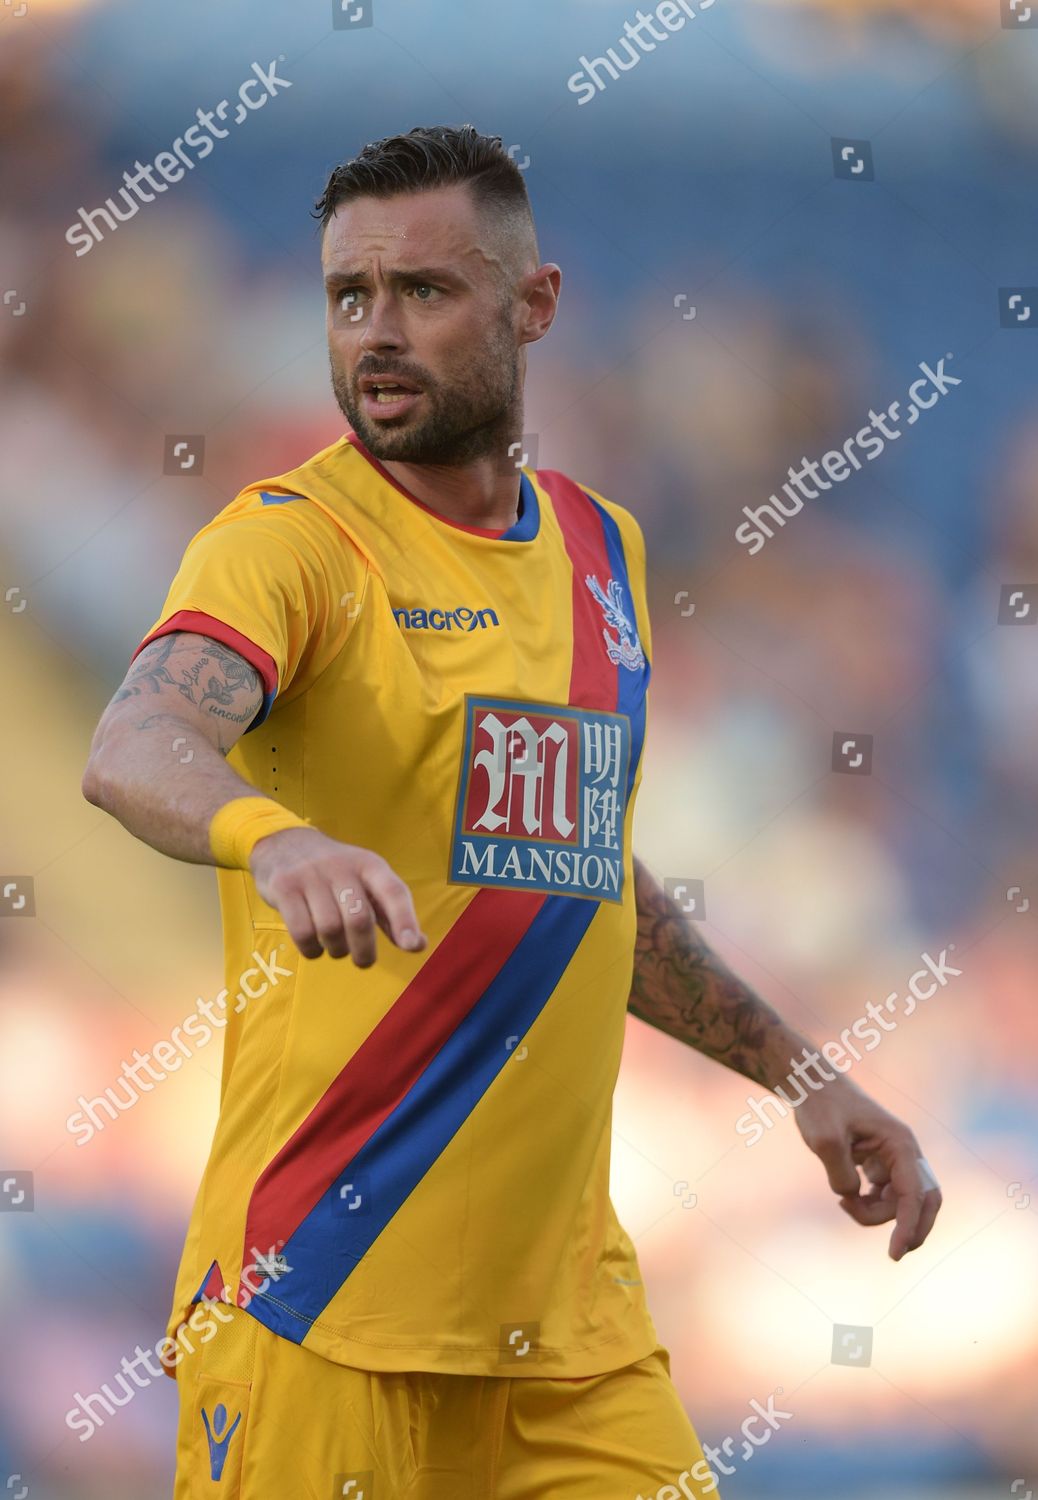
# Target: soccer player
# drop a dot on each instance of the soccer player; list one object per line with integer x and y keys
{"x": 402, "y": 688}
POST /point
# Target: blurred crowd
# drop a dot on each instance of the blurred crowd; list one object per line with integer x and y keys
{"x": 873, "y": 612}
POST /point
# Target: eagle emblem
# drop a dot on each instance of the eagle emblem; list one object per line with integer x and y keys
{"x": 627, "y": 651}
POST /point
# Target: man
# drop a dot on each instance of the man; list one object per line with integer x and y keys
{"x": 403, "y": 686}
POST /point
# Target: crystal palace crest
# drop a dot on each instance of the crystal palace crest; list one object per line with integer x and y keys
{"x": 627, "y": 651}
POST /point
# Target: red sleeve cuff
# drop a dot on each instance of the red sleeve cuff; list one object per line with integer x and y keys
{"x": 199, "y": 623}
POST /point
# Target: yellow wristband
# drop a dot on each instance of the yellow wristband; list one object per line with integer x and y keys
{"x": 241, "y": 823}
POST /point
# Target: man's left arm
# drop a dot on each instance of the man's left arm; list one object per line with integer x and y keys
{"x": 683, "y": 988}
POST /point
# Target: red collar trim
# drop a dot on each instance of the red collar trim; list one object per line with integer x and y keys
{"x": 351, "y": 437}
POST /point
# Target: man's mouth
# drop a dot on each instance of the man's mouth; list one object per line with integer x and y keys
{"x": 387, "y": 396}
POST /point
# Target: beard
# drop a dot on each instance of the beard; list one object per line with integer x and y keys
{"x": 456, "y": 423}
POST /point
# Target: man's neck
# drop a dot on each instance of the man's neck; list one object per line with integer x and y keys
{"x": 478, "y": 494}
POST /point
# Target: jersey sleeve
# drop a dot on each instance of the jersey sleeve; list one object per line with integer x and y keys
{"x": 274, "y": 580}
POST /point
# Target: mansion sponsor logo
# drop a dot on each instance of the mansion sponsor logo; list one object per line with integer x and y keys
{"x": 542, "y": 798}
{"x": 550, "y": 869}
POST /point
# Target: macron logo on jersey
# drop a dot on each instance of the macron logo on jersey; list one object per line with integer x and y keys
{"x": 461, "y": 618}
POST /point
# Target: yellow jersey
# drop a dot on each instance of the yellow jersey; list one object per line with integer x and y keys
{"x": 410, "y": 1169}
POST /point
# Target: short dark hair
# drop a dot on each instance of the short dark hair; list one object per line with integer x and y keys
{"x": 432, "y": 156}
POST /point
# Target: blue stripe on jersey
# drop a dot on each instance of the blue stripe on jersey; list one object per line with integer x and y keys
{"x": 269, "y": 499}
{"x": 526, "y": 527}
{"x": 631, "y": 686}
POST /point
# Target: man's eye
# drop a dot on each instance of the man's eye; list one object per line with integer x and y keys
{"x": 349, "y": 299}
{"x": 423, "y": 286}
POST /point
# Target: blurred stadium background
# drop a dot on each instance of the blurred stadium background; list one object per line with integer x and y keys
{"x": 703, "y": 178}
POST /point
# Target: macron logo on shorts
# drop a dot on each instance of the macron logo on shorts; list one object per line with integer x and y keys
{"x": 219, "y": 1435}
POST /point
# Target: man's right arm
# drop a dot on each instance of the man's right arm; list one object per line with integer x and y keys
{"x": 157, "y": 765}
{"x": 156, "y": 761}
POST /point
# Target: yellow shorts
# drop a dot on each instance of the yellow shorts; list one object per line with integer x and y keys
{"x": 262, "y": 1418}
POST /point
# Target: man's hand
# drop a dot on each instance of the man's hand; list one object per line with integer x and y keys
{"x": 331, "y": 895}
{"x": 847, "y": 1130}
{"x": 681, "y": 986}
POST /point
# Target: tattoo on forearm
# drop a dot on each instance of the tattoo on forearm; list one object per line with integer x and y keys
{"x": 212, "y": 678}
{"x": 681, "y": 987}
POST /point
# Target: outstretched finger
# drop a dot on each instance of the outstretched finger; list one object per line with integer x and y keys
{"x": 393, "y": 906}
{"x": 931, "y": 1208}
{"x": 922, "y": 1199}
{"x": 909, "y": 1191}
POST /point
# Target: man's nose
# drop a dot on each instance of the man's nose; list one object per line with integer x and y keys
{"x": 382, "y": 328}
